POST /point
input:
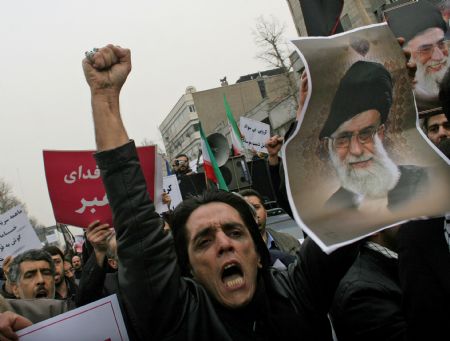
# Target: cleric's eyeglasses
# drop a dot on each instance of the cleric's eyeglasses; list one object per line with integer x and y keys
{"x": 364, "y": 136}
{"x": 428, "y": 49}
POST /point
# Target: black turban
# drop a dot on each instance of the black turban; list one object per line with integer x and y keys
{"x": 365, "y": 86}
{"x": 410, "y": 20}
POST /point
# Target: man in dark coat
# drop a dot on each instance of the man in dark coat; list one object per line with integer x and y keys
{"x": 424, "y": 260}
{"x": 368, "y": 302}
{"x": 353, "y": 135}
{"x": 212, "y": 280}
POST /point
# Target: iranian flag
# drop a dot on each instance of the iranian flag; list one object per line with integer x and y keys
{"x": 236, "y": 139}
{"x": 212, "y": 170}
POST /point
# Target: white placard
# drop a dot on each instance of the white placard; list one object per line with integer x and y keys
{"x": 52, "y": 237}
{"x": 255, "y": 134}
{"x": 100, "y": 320}
{"x": 170, "y": 185}
{"x": 16, "y": 233}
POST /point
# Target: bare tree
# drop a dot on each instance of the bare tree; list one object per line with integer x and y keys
{"x": 8, "y": 200}
{"x": 147, "y": 142}
{"x": 274, "y": 51}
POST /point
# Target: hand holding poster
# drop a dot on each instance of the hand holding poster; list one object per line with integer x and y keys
{"x": 255, "y": 134}
{"x": 170, "y": 186}
{"x": 16, "y": 233}
{"x": 357, "y": 162}
{"x": 76, "y": 188}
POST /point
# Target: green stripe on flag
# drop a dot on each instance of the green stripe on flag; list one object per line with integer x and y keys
{"x": 220, "y": 180}
{"x": 233, "y": 123}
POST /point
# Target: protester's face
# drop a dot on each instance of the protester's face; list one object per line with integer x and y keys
{"x": 181, "y": 164}
{"x": 430, "y": 50}
{"x": 438, "y": 128}
{"x": 36, "y": 281}
{"x": 112, "y": 245}
{"x": 361, "y": 145}
{"x": 260, "y": 210}
{"x": 59, "y": 269}
{"x": 76, "y": 262}
{"x": 68, "y": 270}
{"x": 222, "y": 254}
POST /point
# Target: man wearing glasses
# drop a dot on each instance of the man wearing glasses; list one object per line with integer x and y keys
{"x": 423, "y": 29}
{"x": 180, "y": 165}
{"x": 353, "y": 135}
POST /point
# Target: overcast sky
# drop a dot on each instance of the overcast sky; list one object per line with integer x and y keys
{"x": 44, "y": 98}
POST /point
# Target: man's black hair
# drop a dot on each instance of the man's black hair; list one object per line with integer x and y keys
{"x": 252, "y": 193}
{"x": 182, "y": 155}
{"x": 365, "y": 85}
{"x": 54, "y": 251}
{"x": 32, "y": 256}
{"x": 183, "y": 211}
{"x": 410, "y": 20}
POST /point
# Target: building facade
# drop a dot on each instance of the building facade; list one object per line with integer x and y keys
{"x": 180, "y": 129}
{"x": 264, "y": 96}
{"x": 356, "y": 13}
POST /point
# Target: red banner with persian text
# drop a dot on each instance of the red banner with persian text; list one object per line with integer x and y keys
{"x": 76, "y": 189}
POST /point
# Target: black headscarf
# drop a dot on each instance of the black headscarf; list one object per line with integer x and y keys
{"x": 410, "y": 20}
{"x": 365, "y": 86}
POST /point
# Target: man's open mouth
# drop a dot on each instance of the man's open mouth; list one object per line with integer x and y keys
{"x": 232, "y": 275}
{"x": 41, "y": 293}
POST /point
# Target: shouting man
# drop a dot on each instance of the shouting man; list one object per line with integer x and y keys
{"x": 211, "y": 279}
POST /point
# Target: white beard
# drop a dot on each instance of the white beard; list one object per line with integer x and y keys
{"x": 372, "y": 182}
{"x": 429, "y": 81}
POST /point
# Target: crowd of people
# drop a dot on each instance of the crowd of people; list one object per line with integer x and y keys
{"x": 213, "y": 270}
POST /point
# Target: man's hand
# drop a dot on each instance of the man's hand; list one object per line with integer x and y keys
{"x": 303, "y": 93}
{"x": 166, "y": 199}
{"x": 11, "y": 322}
{"x": 273, "y": 146}
{"x": 6, "y": 265}
{"x": 106, "y": 69}
{"x": 98, "y": 234}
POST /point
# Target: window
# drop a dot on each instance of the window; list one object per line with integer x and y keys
{"x": 191, "y": 108}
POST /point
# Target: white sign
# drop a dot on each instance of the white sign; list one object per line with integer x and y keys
{"x": 170, "y": 186}
{"x": 16, "y": 233}
{"x": 100, "y": 320}
{"x": 255, "y": 134}
{"x": 52, "y": 237}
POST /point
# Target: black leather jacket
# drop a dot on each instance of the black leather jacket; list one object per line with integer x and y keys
{"x": 163, "y": 305}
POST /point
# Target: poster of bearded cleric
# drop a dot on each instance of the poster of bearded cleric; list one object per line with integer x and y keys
{"x": 357, "y": 162}
{"x": 424, "y": 26}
